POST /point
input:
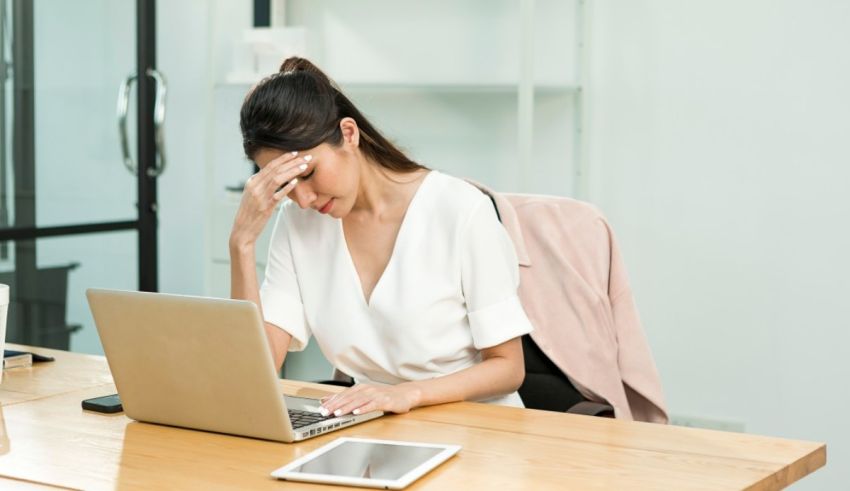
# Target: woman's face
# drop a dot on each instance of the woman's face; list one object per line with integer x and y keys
{"x": 330, "y": 183}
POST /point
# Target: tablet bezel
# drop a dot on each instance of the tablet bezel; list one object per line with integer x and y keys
{"x": 286, "y": 473}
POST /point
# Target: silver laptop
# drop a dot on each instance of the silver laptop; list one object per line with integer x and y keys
{"x": 201, "y": 363}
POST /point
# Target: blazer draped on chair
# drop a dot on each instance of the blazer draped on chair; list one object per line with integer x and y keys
{"x": 575, "y": 291}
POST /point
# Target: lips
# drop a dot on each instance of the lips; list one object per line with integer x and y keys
{"x": 327, "y": 207}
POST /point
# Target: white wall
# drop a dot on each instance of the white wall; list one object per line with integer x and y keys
{"x": 716, "y": 149}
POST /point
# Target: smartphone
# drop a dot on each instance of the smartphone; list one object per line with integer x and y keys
{"x": 106, "y": 404}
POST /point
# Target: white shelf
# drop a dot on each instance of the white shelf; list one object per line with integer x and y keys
{"x": 436, "y": 87}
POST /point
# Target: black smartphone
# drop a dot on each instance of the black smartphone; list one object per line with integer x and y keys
{"x": 106, "y": 404}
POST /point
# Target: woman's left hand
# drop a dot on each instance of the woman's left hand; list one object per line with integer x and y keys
{"x": 363, "y": 398}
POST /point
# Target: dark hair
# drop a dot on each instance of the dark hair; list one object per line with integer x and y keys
{"x": 300, "y": 108}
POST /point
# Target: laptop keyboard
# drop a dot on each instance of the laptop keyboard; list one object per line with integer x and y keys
{"x": 300, "y": 419}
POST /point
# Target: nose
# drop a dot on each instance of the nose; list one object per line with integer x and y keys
{"x": 302, "y": 195}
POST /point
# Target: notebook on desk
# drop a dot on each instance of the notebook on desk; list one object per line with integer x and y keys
{"x": 36, "y": 358}
{"x": 201, "y": 363}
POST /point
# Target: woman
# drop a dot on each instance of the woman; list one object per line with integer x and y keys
{"x": 403, "y": 275}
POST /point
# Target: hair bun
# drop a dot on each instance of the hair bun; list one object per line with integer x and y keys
{"x": 298, "y": 64}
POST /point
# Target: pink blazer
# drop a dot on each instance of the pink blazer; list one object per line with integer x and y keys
{"x": 575, "y": 291}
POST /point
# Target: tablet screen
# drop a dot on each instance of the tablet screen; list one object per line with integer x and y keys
{"x": 387, "y": 464}
{"x": 368, "y": 460}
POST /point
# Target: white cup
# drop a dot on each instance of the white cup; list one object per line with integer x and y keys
{"x": 4, "y": 308}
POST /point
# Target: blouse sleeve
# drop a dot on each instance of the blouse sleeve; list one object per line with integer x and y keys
{"x": 490, "y": 278}
{"x": 280, "y": 294}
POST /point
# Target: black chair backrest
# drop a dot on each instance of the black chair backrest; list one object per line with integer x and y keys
{"x": 545, "y": 386}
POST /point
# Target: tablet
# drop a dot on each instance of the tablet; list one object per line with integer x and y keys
{"x": 368, "y": 463}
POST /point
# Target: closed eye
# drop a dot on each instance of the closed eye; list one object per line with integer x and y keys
{"x": 310, "y": 174}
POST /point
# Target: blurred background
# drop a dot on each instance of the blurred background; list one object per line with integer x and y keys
{"x": 711, "y": 134}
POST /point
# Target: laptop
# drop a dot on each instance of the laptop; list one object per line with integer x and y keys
{"x": 201, "y": 363}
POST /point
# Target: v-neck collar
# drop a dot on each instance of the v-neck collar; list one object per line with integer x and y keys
{"x": 368, "y": 302}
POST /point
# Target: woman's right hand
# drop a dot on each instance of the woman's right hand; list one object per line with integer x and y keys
{"x": 263, "y": 192}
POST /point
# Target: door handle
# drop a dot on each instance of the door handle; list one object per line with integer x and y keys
{"x": 158, "y": 122}
{"x": 123, "y": 105}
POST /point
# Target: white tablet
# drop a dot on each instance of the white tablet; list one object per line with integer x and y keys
{"x": 368, "y": 463}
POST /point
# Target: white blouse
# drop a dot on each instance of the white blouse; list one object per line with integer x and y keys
{"x": 448, "y": 291}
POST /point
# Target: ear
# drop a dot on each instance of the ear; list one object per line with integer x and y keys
{"x": 350, "y": 132}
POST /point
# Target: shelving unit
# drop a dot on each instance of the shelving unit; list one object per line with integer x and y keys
{"x": 499, "y": 100}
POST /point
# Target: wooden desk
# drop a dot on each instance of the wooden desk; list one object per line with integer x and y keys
{"x": 70, "y": 372}
{"x": 50, "y": 440}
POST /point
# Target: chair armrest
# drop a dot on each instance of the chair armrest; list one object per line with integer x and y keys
{"x": 592, "y": 409}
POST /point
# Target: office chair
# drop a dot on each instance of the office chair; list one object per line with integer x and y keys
{"x": 546, "y": 387}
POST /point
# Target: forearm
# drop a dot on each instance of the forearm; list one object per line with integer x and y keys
{"x": 263, "y": 193}
{"x": 492, "y": 377}
{"x": 244, "y": 286}
{"x": 243, "y": 274}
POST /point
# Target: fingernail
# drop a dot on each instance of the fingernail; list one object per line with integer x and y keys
{"x": 294, "y": 181}
{"x": 338, "y": 412}
{"x": 303, "y": 166}
{"x": 323, "y": 411}
{"x": 356, "y": 411}
{"x": 294, "y": 153}
{"x": 308, "y": 158}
